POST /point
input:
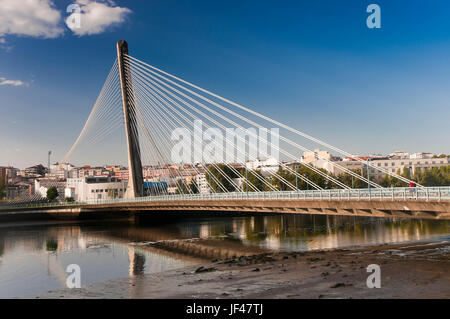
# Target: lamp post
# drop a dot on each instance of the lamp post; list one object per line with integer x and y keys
{"x": 246, "y": 174}
{"x": 410, "y": 171}
{"x": 49, "y": 153}
{"x": 368, "y": 173}
{"x": 246, "y": 179}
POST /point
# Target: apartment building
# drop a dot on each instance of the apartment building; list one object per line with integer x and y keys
{"x": 95, "y": 188}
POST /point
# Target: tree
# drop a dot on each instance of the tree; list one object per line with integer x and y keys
{"x": 436, "y": 176}
{"x": 256, "y": 179}
{"x": 52, "y": 193}
{"x": 2, "y": 190}
{"x": 217, "y": 172}
{"x": 280, "y": 182}
{"x": 194, "y": 187}
{"x": 181, "y": 187}
{"x": 69, "y": 200}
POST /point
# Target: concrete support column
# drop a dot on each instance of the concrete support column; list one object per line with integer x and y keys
{"x": 135, "y": 186}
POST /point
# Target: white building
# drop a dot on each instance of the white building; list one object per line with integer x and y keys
{"x": 240, "y": 183}
{"x": 95, "y": 188}
{"x": 309, "y": 157}
{"x": 202, "y": 183}
{"x": 421, "y": 155}
{"x": 266, "y": 166}
{"x": 41, "y": 186}
{"x": 339, "y": 167}
{"x": 418, "y": 164}
{"x": 61, "y": 170}
{"x": 392, "y": 165}
{"x": 399, "y": 155}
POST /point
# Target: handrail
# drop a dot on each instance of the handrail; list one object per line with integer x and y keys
{"x": 404, "y": 193}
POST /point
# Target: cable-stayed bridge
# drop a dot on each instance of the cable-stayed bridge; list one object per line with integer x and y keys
{"x": 205, "y": 142}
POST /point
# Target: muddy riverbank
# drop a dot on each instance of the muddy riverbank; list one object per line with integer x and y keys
{"x": 408, "y": 270}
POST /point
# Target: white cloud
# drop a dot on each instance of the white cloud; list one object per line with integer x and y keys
{"x": 4, "y": 81}
{"x": 96, "y": 17}
{"x": 35, "y": 18}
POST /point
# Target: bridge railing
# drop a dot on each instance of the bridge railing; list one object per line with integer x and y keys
{"x": 405, "y": 193}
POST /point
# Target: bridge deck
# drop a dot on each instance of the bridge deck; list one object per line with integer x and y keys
{"x": 426, "y": 203}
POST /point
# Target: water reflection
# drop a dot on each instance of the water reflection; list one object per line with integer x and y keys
{"x": 137, "y": 262}
{"x": 310, "y": 232}
{"x": 33, "y": 259}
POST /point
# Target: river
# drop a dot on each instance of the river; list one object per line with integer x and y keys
{"x": 34, "y": 256}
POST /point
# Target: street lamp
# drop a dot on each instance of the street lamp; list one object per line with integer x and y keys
{"x": 49, "y": 153}
{"x": 410, "y": 171}
{"x": 368, "y": 172}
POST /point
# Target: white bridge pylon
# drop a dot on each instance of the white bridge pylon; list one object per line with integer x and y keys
{"x": 181, "y": 124}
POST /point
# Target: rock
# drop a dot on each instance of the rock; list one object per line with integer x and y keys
{"x": 203, "y": 269}
{"x": 340, "y": 284}
{"x": 256, "y": 270}
{"x": 315, "y": 259}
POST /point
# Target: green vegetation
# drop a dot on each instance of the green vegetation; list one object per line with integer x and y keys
{"x": 69, "y": 200}
{"x": 52, "y": 193}
{"x": 2, "y": 190}
{"x": 194, "y": 187}
{"x": 428, "y": 177}
{"x": 256, "y": 179}
{"x": 436, "y": 176}
{"x": 191, "y": 188}
{"x": 213, "y": 173}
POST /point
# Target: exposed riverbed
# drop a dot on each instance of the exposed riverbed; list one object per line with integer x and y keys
{"x": 34, "y": 256}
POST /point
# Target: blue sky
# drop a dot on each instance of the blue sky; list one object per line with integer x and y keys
{"x": 313, "y": 65}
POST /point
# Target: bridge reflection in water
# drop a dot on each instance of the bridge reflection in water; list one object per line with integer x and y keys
{"x": 41, "y": 253}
